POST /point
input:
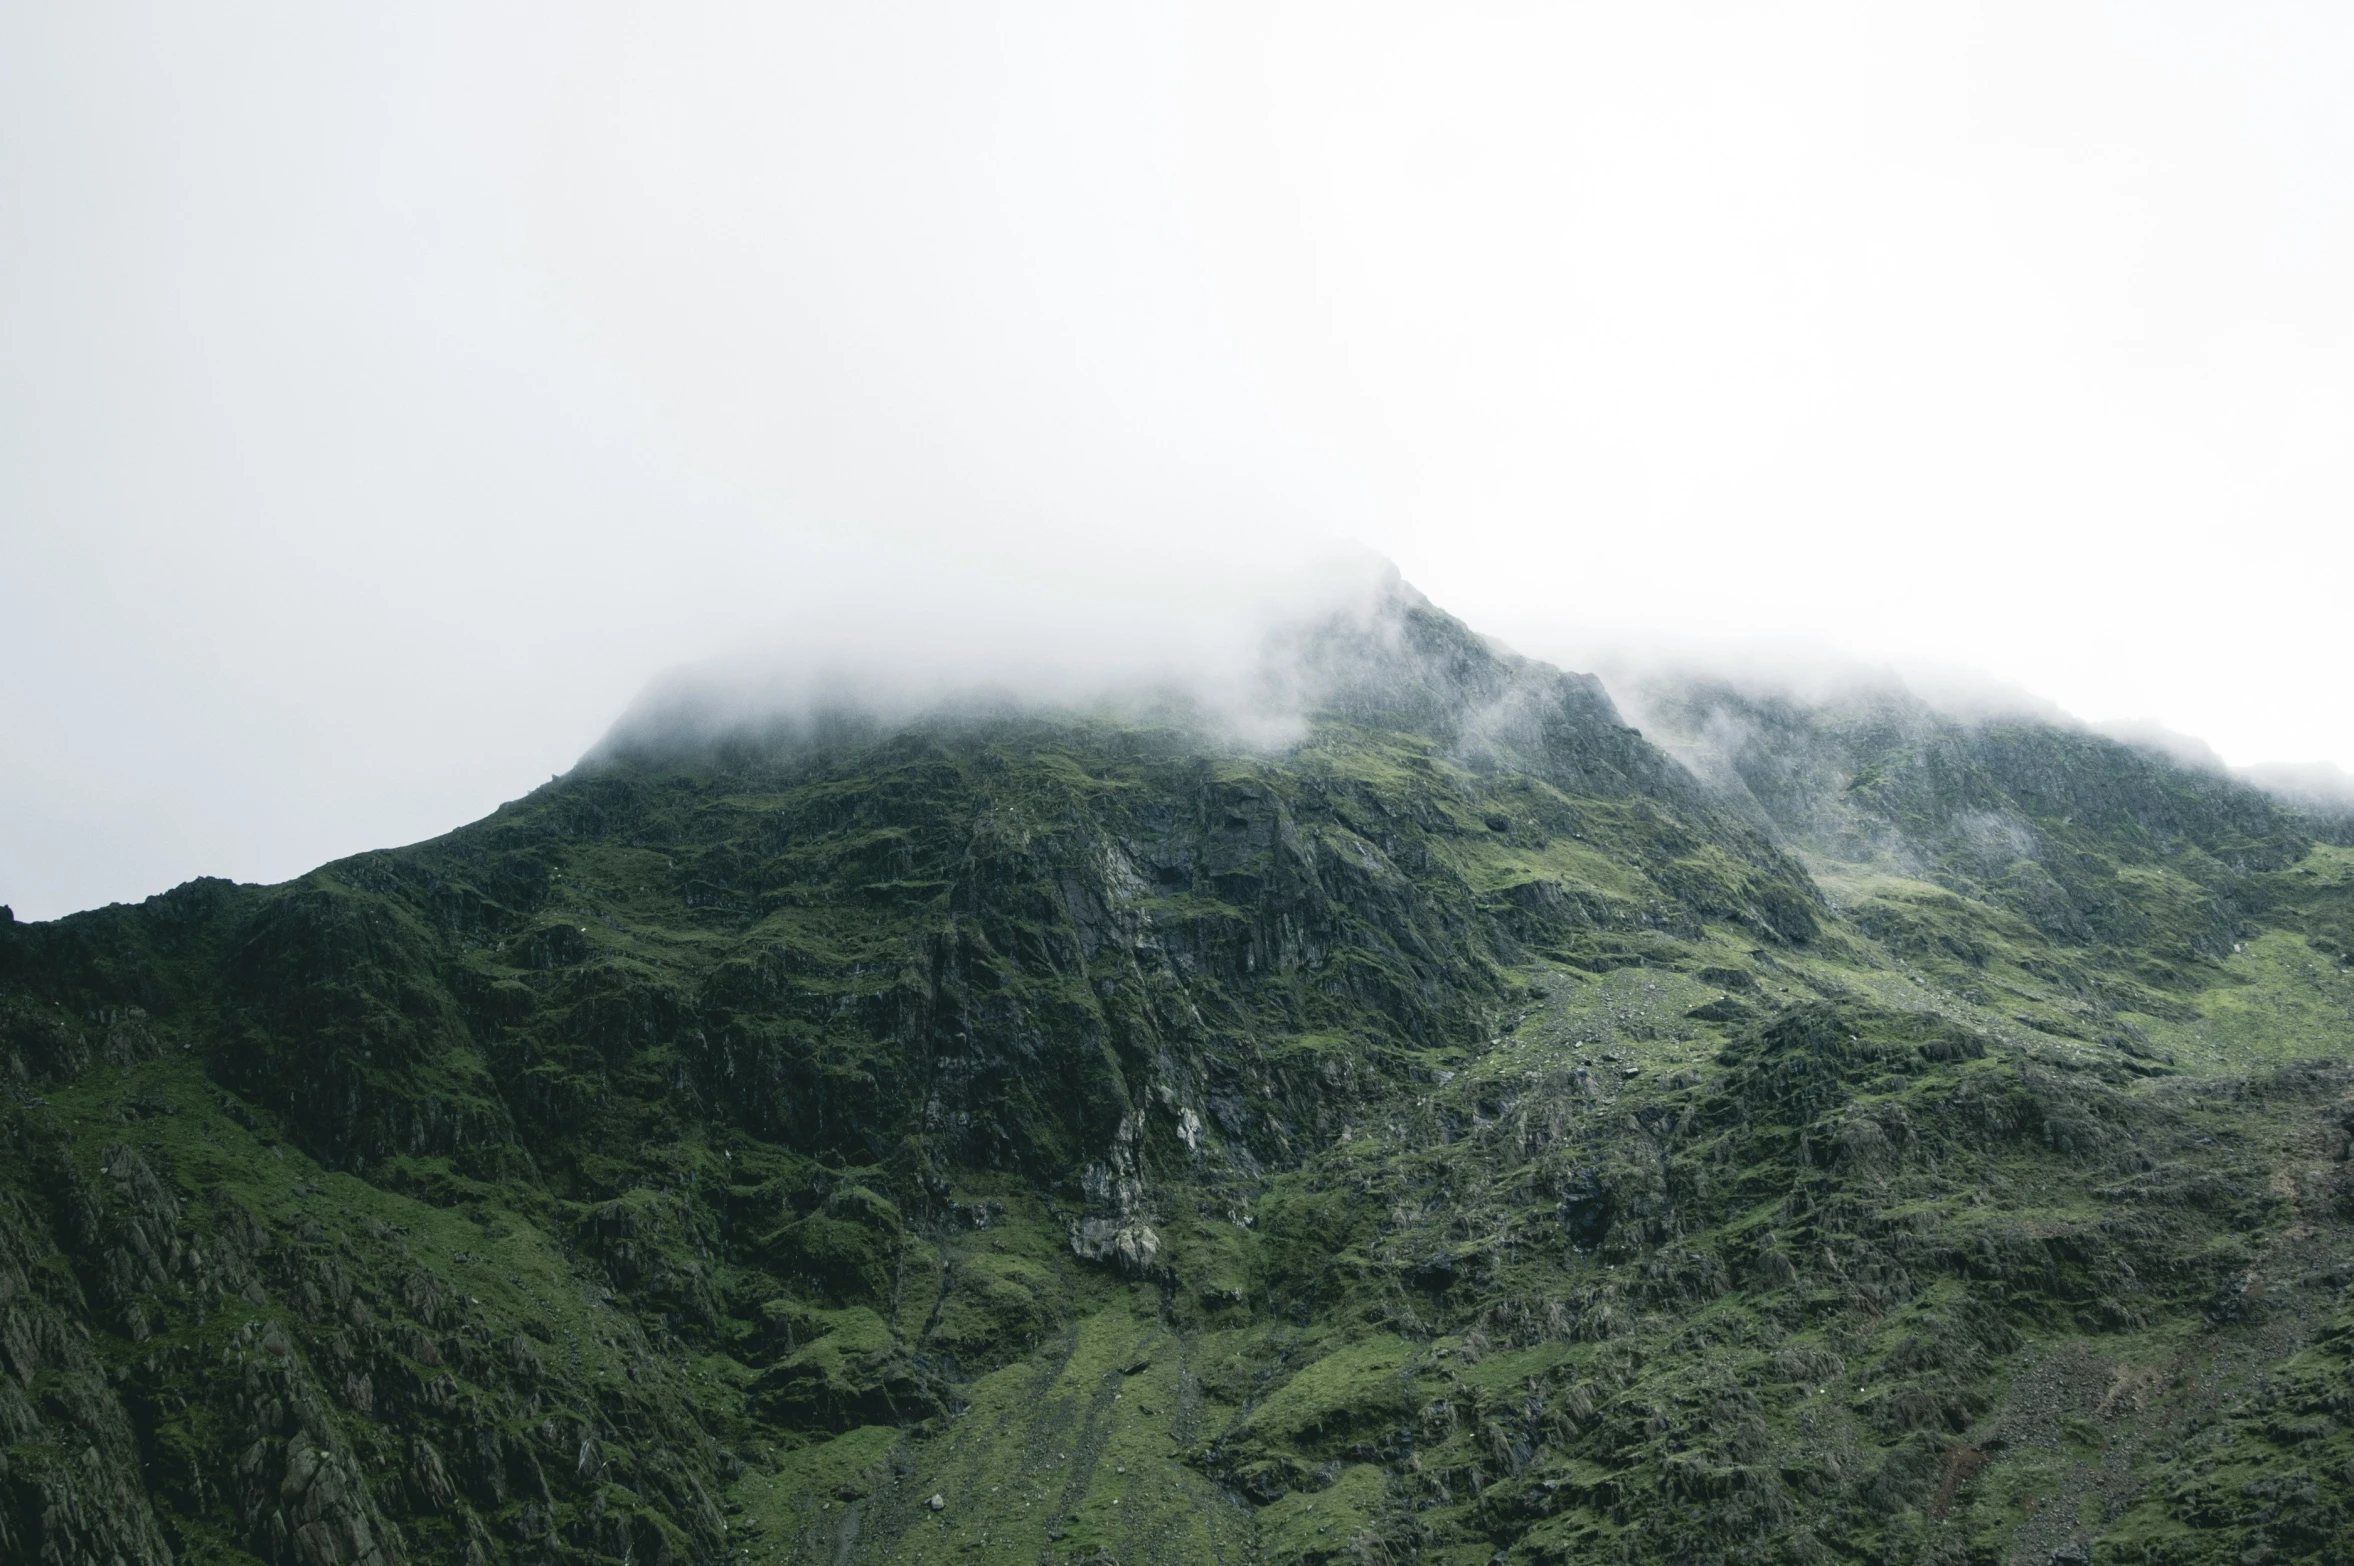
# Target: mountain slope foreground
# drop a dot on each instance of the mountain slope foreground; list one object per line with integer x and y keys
{"x": 1466, "y": 1132}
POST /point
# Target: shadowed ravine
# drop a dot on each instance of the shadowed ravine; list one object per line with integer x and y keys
{"x": 1460, "y": 1134}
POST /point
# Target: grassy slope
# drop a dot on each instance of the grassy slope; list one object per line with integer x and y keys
{"x": 691, "y": 1163}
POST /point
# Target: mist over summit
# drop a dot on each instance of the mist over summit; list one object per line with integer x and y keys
{"x": 1355, "y": 644}
{"x": 1343, "y": 637}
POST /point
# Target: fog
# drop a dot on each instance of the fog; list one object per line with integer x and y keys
{"x": 388, "y": 394}
{"x": 1244, "y": 659}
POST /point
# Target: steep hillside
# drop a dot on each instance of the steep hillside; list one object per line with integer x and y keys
{"x": 2111, "y": 883}
{"x": 1454, "y": 1134}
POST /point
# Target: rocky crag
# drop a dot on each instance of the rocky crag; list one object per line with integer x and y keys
{"x": 1460, "y": 1133}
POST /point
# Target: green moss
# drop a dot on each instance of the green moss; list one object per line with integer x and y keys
{"x": 1343, "y": 1522}
{"x": 1335, "y": 1402}
{"x": 995, "y": 1307}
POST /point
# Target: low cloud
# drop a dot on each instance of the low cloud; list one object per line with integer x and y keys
{"x": 1209, "y": 642}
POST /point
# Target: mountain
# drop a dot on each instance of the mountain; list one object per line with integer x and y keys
{"x": 1461, "y": 1129}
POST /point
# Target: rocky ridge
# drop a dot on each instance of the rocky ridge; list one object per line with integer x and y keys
{"x": 1458, "y": 1133}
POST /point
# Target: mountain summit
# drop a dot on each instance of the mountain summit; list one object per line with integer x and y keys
{"x": 1386, "y": 1109}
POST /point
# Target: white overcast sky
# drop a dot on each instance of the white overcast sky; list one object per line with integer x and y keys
{"x": 387, "y": 392}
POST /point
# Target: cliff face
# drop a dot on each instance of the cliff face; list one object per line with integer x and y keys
{"x": 1456, "y": 1129}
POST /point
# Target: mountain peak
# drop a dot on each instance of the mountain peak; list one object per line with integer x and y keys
{"x": 1048, "y": 1124}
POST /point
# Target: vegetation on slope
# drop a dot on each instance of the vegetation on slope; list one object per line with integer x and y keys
{"x": 1455, "y": 1136}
